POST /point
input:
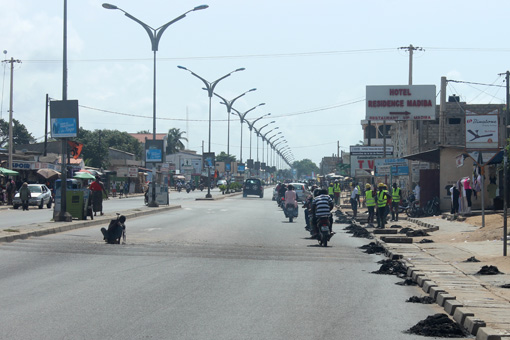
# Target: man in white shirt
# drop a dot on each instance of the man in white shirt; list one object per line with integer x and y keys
{"x": 353, "y": 200}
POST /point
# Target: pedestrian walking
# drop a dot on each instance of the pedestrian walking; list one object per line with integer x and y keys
{"x": 24, "y": 195}
{"x": 353, "y": 201}
{"x": 395, "y": 201}
{"x": 126, "y": 188}
{"x": 97, "y": 188}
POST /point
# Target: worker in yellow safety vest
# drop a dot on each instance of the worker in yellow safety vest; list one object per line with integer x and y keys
{"x": 395, "y": 202}
{"x": 337, "y": 188}
{"x": 370, "y": 196}
{"x": 331, "y": 191}
{"x": 382, "y": 202}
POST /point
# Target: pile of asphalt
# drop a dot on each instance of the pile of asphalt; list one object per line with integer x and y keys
{"x": 396, "y": 226}
{"x": 417, "y": 233}
{"x": 426, "y": 240}
{"x": 426, "y": 300}
{"x": 472, "y": 259}
{"x": 391, "y": 267}
{"x": 489, "y": 270}
{"x": 405, "y": 230}
{"x": 407, "y": 282}
{"x": 507, "y": 285}
{"x": 437, "y": 325}
{"x": 342, "y": 218}
{"x": 358, "y": 231}
{"x": 372, "y": 248}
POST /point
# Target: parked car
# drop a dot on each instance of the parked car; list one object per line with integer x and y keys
{"x": 41, "y": 196}
{"x": 253, "y": 186}
{"x": 221, "y": 182}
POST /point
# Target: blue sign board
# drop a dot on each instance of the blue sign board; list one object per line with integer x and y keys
{"x": 227, "y": 167}
{"x": 64, "y": 127}
{"x": 153, "y": 155}
{"x": 240, "y": 168}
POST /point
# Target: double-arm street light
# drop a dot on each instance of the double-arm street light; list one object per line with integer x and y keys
{"x": 154, "y": 35}
{"x": 259, "y": 134}
{"x": 229, "y": 104}
{"x": 209, "y": 86}
{"x": 269, "y": 143}
{"x": 242, "y": 117}
{"x": 251, "y": 126}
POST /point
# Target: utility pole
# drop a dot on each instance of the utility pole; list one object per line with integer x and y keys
{"x": 505, "y": 164}
{"x": 11, "y": 140}
{"x": 411, "y": 50}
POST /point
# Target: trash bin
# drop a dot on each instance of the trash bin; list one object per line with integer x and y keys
{"x": 76, "y": 204}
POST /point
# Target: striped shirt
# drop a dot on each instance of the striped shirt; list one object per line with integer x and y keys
{"x": 323, "y": 205}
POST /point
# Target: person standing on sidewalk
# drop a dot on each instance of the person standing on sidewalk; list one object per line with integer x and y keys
{"x": 354, "y": 202}
{"x": 395, "y": 202}
{"x": 382, "y": 199}
{"x": 370, "y": 196}
{"x": 24, "y": 195}
{"x": 331, "y": 190}
{"x": 337, "y": 188}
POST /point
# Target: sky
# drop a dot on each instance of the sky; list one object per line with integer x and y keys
{"x": 310, "y": 62}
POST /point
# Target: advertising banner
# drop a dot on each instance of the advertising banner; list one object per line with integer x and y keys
{"x": 363, "y": 159}
{"x": 154, "y": 151}
{"x": 208, "y": 160}
{"x": 401, "y": 102}
{"x": 482, "y": 131}
{"x": 64, "y": 118}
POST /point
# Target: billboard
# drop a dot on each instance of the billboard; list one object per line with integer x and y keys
{"x": 401, "y": 102}
{"x": 482, "y": 130}
{"x": 64, "y": 118}
{"x": 154, "y": 151}
{"x": 209, "y": 161}
{"x": 363, "y": 159}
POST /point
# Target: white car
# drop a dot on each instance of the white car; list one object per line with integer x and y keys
{"x": 301, "y": 191}
{"x": 41, "y": 195}
{"x": 221, "y": 182}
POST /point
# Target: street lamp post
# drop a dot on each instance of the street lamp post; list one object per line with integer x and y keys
{"x": 251, "y": 126}
{"x": 210, "y": 91}
{"x": 229, "y": 104}
{"x": 269, "y": 143}
{"x": 257, "y": 132}
{"x": 242, "y": 118}
{"x": 154, "y": 36}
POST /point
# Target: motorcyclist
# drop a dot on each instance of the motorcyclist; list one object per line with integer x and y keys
{"x": 322, "y": 205}
{"x": 307, "y": 205}
{"x": 281, "y": 193}
{"x": 290, "y": 198}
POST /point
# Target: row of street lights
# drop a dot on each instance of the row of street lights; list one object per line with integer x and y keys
{"x": 155, "y": 36}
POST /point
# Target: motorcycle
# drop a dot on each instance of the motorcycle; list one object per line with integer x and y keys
{"x": 290, "y": 212}
{"x": 188, "y": 188}
{"x": 116, "y": 230}
{"x": 324, "y": 233}
{"x": 201, "y": 187}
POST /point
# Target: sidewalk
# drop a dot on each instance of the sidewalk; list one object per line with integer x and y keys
{"x": 477, "y": 302}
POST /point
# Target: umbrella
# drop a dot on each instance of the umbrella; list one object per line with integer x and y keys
{"x": 48, "y": 173}
{"x": 83, "y": 175}
{"x": 8, "y": 172}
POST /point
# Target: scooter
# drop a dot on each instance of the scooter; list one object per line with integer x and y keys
{"x": 290, "y": 212}
{"x": 188, "y": 188}
{"x": 324, "y": 233}
{"x": 116, "y": 230}
{"x": 201, "y": 187}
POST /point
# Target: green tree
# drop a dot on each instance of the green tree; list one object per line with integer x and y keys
{"x": 144, "y": 131}
{"x": 305, "y": 167}
{"x": 96, "y": 143}
{"x": 20, "y": 134}
{"x": 223, "y": 157}
{"x": 174, "y": 143}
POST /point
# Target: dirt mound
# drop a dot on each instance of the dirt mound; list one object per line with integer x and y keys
{"x": 505, "y": 285}
{"x": 438, "y": 325}
{"x": 396, "y": 226}
{"x": 427, "y": 300}
{"x": 391, "y": 267}
{"x": 489, "y": 270}
{"x": 373, "y": 248}
{"x": 407, "y": 282}
{"x": 472, "y": 259}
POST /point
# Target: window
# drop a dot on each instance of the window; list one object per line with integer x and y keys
{"x": 370, "y": 132}
{"x": 382, "y": 129}
{"x": 453, "y": 121}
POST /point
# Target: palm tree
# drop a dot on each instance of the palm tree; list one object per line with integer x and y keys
{"x": 174, "y": 143}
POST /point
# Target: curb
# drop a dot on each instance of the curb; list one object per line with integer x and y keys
{"x": 461, "y": 315}
{"x": 66, "y": 226}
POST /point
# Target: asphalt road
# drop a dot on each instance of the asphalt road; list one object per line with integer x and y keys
{"x": 226, "y": 269}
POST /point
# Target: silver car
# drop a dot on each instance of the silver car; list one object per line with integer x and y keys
{"x": 301, "y": 191}
{"x": 41, "y": 196}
